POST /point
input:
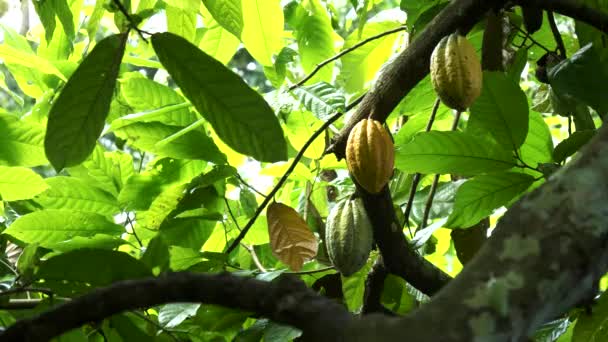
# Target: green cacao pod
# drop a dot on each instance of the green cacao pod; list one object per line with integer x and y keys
{"x": 456, "y": 72}
{"x": 349, "y": 235}
{"x": 370, "y": 155}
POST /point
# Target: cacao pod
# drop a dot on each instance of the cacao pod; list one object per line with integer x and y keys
{"x": 370, "y": 155}
{"x": 349, "y": 235}
{"x": 456, "y": 72}
{"x": 533, "y": 18}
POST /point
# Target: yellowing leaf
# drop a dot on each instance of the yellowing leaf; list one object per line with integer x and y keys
{"x": 290, "y": 238}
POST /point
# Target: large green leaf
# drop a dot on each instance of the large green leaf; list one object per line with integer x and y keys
{"x": 92, "y": 267}
{"x": 538, "y": 146}
{"x": 263, "y": 29}
{"x": 21, "y": 142}
{"x": 451, "y": 152}
{"x": 239, "y": 115}
{"x": 78, "y": 114}
{"x": 360, "y": 66}
{"x": 11, "y": 55}
{"x": 181, "y": 17}
{"x": 172, "y": 141}
{"x": 106, "y": 170}
{"x": 478, "y": 197}
{"x": 502, "y": 110}
{"x": 228, "y": 13}
{"x": 315, "y": 38}
{"x": 322, "y": 99}
{"x": 19, "y": 183}
{"x": 582, "y": 77}
{"x": 572, "y": 144}
{"x": 218, "y": 42}
{"x": 48, "y": 227}
{"x": 69, "y": 193}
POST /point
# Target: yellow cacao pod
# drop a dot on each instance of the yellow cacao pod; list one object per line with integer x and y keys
{"x": 456, "y": 72}
{"x": 349, "y": 236}
{"x": 370, "y": 155}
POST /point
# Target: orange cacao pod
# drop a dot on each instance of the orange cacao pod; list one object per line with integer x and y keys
{"x": 456, "y": 72}
{"x": 370, "y": 155}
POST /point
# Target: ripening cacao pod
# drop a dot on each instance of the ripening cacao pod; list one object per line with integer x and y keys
{"x": 370, "y": 155}
{"x": 533, "y": 18}
{"x": 349, "y": 236}
{"x": 456, "y": 72}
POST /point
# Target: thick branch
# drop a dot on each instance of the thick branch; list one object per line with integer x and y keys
{"x": 399, "y": 257}
{"x": 286, "y": 300}
{"x": 574, "y": 9}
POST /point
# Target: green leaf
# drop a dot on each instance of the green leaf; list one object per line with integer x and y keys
{"x": 300, "y": 126}
{"x": 478, "y": 197}
{"x": 360, "y": 66}
{"x": 48, "y": 227}
{"x": 228, "y": 13}
{"x": 69, "y": 193}
{"x": 572, "y": 145}
{"x": 145, "y": 95}
{"x": 172, "y": 115}
{"x": 187, "y": 232}
{"x": 21, "y": 142}
{"x": 181, "y": 17}
{"x": 322, "y": 99}
{"x": 314, "y": 35}
{"x": 99, "y": 241}
{"x": 502, "y": 110}
{"x": 108, "y": 171}
{"x": 538, "y": 146}
{"x": 11, "y": 55}
{"x": 172, "y": 141}
{"x": 263, "y": 25}
{"x": 162, "y": 206}
{"x": 353, "y": 288}
{"x": 19, "y": 183}
{"x": 157, "y": 255}
{"x": 451, "y": 152}
{"x": 95, "y": 267}
{"x": 217, "y": 42}
{"x": 78, "y": 114}
{"x": 593, "y": 328}
{"x": 581, "y": 76}
{"x": 238, "y": 114}
{"x": 172, "y": 315}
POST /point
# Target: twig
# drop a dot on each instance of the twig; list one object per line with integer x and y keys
{"x": 20, "y": 304}
{"x": 558, "y": 37}
{"x": 528, "y": 36}
{"x": 283, "y": 179}
{"x": 417, "y": 175}
{"x": 132, "y": 23}
{"x": 344, "y": 52}
{"x": 248, "y": 185}
{"x": 133, "y": 232}
{"x": 320, "y": 270}
{"x": 429, "y": 200}
{"x": 45, "y": 291}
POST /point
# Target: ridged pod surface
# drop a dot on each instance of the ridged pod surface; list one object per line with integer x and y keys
{"x": 349, "y": 236}
{"x": 370, "y": 155}
{"x": 456, "y": 72}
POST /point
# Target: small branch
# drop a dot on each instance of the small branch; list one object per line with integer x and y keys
{"x": 558, "y": 37}
{"x": 417, "y": 176}
{"x": 528, "y": 36}
{"x": 283, "y": 179}
{"x": 344, "y": 52}
{"x": 286, "y": 300}
{"x": 320, "y": 270}
{"x": 249, "y": 186}
{"x": 20, "y": 304}
{"x": 132, "y": 23}
{"x": 133, "y": 232}
{"x": 9, "y": 292}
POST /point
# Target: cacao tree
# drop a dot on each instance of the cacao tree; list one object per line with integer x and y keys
{"x": 322, "y": 170}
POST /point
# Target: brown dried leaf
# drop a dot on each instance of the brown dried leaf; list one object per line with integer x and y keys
{"x": 290, "y": 238}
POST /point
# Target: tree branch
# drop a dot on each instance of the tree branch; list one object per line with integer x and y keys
{"x": 573, "y": 9}
{"x": 286, "y": 300}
